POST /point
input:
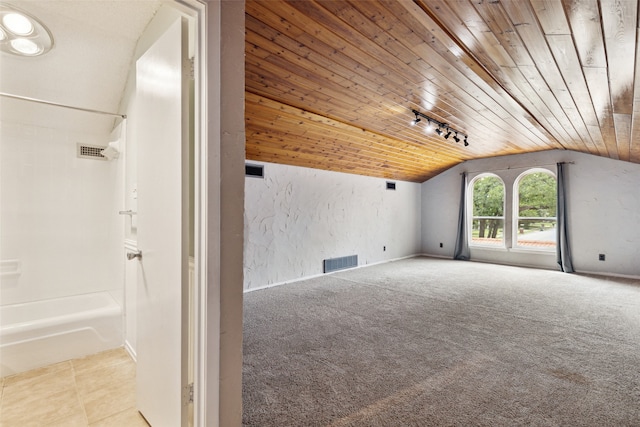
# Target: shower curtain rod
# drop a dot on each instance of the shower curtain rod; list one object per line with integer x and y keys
{"x": 55, "y": 104}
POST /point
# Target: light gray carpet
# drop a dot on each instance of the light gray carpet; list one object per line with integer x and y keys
{"x": 430, "y": 342}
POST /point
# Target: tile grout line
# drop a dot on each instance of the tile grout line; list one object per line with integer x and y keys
{"x": 79, "y": 397}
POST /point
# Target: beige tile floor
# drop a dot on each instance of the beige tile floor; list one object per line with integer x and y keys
{"x": 97, "y": 390}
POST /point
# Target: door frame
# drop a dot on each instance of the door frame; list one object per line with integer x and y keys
{"x": 195, "y": 10}
{"x": 219, "y": 134}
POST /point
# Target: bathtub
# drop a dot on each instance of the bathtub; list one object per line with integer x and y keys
{"x": 40, "y": 333}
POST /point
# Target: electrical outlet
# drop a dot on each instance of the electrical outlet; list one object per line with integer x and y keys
{"x": 384, "y": 248}
{"x": 441, "y": 245}
{"x": 600, "y": 257}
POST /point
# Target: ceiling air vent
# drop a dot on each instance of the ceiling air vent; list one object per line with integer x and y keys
{"x": 86, "y": 151}
{"x": 256, "y": 171}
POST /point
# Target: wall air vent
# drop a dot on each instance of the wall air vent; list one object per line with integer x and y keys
{"x": 86, "y": 151}
{"x": 341, "y": 263}
{"x": 255, "y": 171}
{"x": 391, "y": 185}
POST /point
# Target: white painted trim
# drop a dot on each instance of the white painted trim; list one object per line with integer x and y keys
{"x": 202, "y": 414}
{"x": 131, "y": 351}
{"x": 532, "y": 250}
{"x": 538, "y": 267}
{"x": 623, "y": 276}
{"x": 437, "y": 256}
{"x": 512, "y": 264}
{"x": 272, "y": 285}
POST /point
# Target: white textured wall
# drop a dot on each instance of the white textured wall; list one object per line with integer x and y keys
{"x": 58, "y": 214}
{"x": 297, "y": 217}
{"x": 603, "y": 204}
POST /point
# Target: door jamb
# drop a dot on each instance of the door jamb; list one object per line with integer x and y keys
{"x": 203, "y": 334}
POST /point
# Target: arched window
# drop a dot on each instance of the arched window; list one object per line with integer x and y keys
{"x": 487, "y": 221}
{"x": 535, "y": 210}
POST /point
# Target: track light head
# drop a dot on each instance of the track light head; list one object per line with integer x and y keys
{"x": 442, "y": 129}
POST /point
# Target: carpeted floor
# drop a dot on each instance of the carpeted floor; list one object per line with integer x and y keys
{"x": 431, "y": 342}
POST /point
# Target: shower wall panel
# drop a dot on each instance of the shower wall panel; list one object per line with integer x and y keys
{"x": 58, "y": 215}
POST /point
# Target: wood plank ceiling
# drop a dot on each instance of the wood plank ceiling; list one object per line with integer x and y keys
{"x": 331, "y": 84}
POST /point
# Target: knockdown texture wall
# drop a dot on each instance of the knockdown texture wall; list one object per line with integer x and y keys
{"x": 603, "y": 203}
{"x": 297, "y": 217}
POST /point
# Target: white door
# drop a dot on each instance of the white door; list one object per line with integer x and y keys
{"x": 162, "y": 138}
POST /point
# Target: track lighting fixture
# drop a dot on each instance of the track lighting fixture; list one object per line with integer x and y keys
{"x": 442, "y": 127}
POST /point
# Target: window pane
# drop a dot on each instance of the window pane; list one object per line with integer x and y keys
{"x": 488, "y": 212}
{"x": 487, "y": 231}
{"x": 537, "y": 233}
{"x": 537, "y": 195}
{"x": 536, "y": 216}
{"x": 488, "y": 197}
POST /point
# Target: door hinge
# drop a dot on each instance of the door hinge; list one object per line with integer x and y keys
{"x": 187, "y": 394}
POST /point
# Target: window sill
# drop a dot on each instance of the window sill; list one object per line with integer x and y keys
{"x": 489, "y": 248}
{"x": 533, "y": 251}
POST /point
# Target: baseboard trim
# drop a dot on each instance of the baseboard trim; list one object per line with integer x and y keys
{"x": 595, "y": 273}
{"x": 437, "y": 256}
{"x": 622, "y": 276}
{"x": 273, "y": 285}
{"x": 131, "y": 351}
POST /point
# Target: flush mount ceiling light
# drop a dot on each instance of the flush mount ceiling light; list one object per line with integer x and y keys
{"x": 22, "y": 34}
{"x": 442, "y": 127}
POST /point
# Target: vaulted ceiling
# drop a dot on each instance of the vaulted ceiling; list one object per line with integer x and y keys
{"x": 332, "y": 84}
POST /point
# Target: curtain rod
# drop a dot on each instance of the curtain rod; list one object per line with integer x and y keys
{"x": 518, "y": 167}
{"x": 55, "y": 104}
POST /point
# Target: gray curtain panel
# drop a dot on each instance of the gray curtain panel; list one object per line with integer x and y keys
{"x": 563, "y": 250}
{"x": 462, "y": 241}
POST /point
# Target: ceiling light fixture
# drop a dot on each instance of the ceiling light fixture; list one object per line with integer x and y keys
{"x": 17, "y": 23}
{"x": 22, "y": 34}
{"x": 429, "y": 126}
{"x": 442, "y": 127}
